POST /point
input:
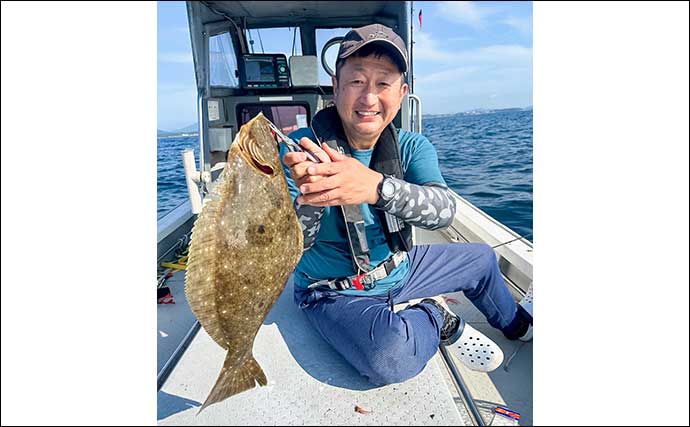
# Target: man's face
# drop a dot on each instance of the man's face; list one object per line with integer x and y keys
{"x": 368, "y": 95}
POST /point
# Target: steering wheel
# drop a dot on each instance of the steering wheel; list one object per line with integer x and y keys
{"x": 329, "y": 43}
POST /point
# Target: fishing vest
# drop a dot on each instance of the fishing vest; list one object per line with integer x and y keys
{"x": 327, "y": 128}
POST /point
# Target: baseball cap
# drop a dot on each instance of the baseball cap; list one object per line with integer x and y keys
{"x": 357, "y": 38}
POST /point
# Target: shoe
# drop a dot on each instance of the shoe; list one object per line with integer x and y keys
{"x": 450, "y": 331}
{"x": 527, "y": 304}
{"x": 474, "y": 349}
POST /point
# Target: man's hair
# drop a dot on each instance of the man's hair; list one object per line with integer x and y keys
{"x": 371, "y": 49}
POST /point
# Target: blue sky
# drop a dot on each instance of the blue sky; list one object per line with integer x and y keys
{"x": 176, "y": 82}
{"x": 467, "y": 55}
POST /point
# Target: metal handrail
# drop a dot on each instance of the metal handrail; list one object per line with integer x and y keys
{"x": 417, "y": 110}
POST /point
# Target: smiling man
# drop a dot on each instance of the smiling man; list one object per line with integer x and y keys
{"x": 357, "y": 208}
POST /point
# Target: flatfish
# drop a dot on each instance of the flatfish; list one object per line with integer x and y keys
{"x": 245, "y": 243}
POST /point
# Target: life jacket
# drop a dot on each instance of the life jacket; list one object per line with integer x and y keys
{"x": 386, "y": 159}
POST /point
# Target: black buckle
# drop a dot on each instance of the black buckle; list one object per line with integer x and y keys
{"x": 360, "y": 282}
{"x": 368, "y": 283}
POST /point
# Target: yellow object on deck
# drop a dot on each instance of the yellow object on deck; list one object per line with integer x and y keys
{"x": 181, "y": 266}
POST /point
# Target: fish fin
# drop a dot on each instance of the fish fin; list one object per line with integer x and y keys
{"x": 232, "y": 381}
{"x": 201, "y": 265}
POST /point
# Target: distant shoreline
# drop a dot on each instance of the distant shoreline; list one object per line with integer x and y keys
{"x": 178, "y": 135}
{"x": 478, "y": 111}
{"x": 474, "y": 112}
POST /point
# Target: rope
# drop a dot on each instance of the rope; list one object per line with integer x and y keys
{"x": 166, "y": 269}
{"x": 511, "y": 241}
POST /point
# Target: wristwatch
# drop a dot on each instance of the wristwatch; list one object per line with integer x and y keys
{"x": 386, "y": 190}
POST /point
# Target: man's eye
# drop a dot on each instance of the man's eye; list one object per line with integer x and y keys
{"x": 357, "y": 82}
{"x": 384, "y": 84}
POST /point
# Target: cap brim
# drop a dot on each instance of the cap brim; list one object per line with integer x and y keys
{"x": 386, "y": 43}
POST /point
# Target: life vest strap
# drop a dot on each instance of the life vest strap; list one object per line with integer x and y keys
{"x": 364, "y": 281}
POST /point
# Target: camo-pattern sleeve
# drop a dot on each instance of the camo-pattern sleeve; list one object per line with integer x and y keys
{"x": 426, "y": 206}
{"x": 310, "y": 219}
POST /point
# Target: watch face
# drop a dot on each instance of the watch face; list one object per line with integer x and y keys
{"x": 387, "y": 189}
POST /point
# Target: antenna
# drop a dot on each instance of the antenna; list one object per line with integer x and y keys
{"x": 294, "y": 37}
{"x": 249, "y": 33}
{"x": 411, "y": 46}
{"x": 260, "y": 41}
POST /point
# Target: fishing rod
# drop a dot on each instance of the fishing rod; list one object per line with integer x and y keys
{"x": 511, "y": 241}
{"x": 467, "y": 396}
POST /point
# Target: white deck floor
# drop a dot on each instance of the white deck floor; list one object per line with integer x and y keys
{"x": 309, "y": 384}
{"x": 510, "y": 387}
{"x": 174, "y": 320}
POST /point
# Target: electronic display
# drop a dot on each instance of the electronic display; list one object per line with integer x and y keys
{"x": 264, "y": 71}
{"x": 259, "y": 70}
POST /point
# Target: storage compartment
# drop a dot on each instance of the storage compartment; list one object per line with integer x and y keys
{"x": 219, "y": 139}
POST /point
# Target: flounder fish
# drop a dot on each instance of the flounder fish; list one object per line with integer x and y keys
{"x": 245, "y": 243}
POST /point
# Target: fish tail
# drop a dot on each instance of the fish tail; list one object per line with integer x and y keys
{"x": 234, "y": 380}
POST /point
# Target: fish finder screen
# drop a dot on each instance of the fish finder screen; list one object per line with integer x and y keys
{"x": 260, "y": 70}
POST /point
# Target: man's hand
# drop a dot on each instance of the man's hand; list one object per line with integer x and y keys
{"x": 340, "y": 181}
{"x": 298, "y": 163}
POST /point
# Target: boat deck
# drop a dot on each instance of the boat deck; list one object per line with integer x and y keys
{"x": 510, "y": 385}
{"x": 174, "y": 320}
{"x": 309, "y": 383}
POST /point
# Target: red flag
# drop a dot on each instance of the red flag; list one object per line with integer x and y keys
{"x": 420, "y": 19}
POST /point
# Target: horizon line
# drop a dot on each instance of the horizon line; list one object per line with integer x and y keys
{"x": 427, "y": 114}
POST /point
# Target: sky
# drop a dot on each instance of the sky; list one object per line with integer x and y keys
{"x": 467, "y": 55}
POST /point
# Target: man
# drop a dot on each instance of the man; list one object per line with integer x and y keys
{"x": 356, "y": 207}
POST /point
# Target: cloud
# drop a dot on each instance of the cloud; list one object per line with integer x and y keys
{"x": 445, "y": 75}
{"x": 428, "y": 49}
{"x": 459, "y": 39}
{"x": 462, "y": 92}
{"x": 500, "y": 54}
{"x": 480, "y": 16}
{"x": 463, "y": 12}
{"x": 494, "y": 76}
{"x": 175, "y": 58}
{"x": 522, "y": 25}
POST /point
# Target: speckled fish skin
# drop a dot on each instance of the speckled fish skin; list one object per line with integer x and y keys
{"x": 245, "y": 243}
